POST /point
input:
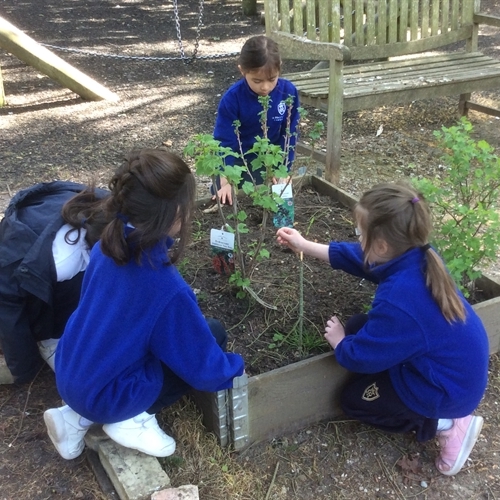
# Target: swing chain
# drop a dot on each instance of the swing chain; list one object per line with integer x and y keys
{"x": 188, "y": 60}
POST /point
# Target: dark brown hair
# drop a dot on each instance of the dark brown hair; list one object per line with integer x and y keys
{"x": 399, "y": 215}
{"x": 260, "y": 52}
{"x": 85, "y": 210}
{"x": 152, "y": 190}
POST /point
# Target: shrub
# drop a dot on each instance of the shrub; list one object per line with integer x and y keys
{"x": 464, "y": 202}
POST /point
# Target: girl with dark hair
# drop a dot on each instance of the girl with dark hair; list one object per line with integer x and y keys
{"x": 420, "y": 355}
{"x": 45, "y": 241}
{"x": 260, "y": 66}
{"x": 137, "y": 341}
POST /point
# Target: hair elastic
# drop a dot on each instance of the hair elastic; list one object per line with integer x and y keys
{"x": 415, "y": 200}
{"x": 425, "y": 247}
{"x": 122, "y": 217}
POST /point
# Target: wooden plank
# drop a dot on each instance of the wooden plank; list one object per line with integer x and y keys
{"x": 393, "y": 21}
{"x": 403, "y": 21}
{"x": 434, "y": 13}
{"x": 482, "y": 109}
{"x": 28, "y": 50}
{"x": 408, "y": 73}
{"x": 454, "y": 59}
{"x": 294, "y": 396}
{"x": 382, "y": 23}
{"x": 311, "y": 20}
{"x": 271, "y": 13}
{"x": 454, "y": 12}
{"x": 324, "y": 20}
{"x": 489, "y": 311}
{"x": 298, "y": 19}
{"x": 359, "y": 34}
{"x": 424, "y": 29}
{"x": 486, "y": 19}
{"x": 445, "y": 16}
{"x": 371, "y": 21}
{"x": 348, "y": 27}
{"x": 293, "y": 47}
{"x": 414, "y": 31}
{"x": 2, "y": 92}
{"x": 334, "y": 35}
{"x": 410, "y": 47}
{"x": 284, "y": 8}
{"x": 322, "y": 186}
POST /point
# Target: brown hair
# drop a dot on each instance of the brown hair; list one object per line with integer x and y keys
{"x": 260, "y": 52}
{"x": 84, "y": 210}
{"x": 398, "y": 214}
{"x": 152, "y": 190}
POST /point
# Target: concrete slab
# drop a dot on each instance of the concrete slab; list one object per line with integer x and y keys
{"x": 134, "y": 475}
{"x": 186, "y": 492}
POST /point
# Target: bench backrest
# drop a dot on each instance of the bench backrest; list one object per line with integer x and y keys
{"x": 373, "y": 29}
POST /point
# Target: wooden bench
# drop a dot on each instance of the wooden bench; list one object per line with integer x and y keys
{"x": 397, "y": 51}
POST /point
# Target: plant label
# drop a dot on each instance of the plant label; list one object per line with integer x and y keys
{"x": 222, "y": 251}
{"x": 284, "y": 217}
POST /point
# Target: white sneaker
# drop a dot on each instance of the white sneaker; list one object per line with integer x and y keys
{"x": 66, "y": 431}
{"x": 47, "y": 350}
{"x": 141, "y": 433}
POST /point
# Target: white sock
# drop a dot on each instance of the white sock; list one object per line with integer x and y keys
{"x": 48, "y": 342}
{"x": 444, "y": 424}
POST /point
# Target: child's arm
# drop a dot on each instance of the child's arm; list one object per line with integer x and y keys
{"x": 296, "y": 242}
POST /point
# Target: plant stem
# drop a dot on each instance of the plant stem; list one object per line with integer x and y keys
{"x": 301, "y": 300}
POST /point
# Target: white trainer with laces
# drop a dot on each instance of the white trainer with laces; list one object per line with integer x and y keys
{"x": 66, "y": 431}
{"x": 142, "y": 433}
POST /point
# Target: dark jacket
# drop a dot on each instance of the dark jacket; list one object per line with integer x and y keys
{"x": 29, "y": 311}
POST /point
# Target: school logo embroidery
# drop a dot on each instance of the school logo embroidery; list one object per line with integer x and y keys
{"x": 281, "y": 108}
{"x": 371, "y": 393}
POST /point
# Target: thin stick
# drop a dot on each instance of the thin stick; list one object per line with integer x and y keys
{"x": 25, "y": 406}
{"x": 301, "y": 298}
{"x": 268, "y": 494}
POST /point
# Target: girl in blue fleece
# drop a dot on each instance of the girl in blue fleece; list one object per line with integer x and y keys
{"x": 137, "y": 341}
{"x": 420, "y": 355}
{"x": 260, "y": 65}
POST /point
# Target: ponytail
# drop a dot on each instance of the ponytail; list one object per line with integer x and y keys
{"x": 443, "y": 288}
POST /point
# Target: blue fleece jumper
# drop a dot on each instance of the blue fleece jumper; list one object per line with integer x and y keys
{"x": 241, "y": 103}
{"x": 438, "y": 369}
{"x": 129, "y": 320}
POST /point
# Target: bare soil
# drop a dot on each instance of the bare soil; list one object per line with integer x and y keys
{"x": 49, "y": 133}
{"x": 268, "y": 337}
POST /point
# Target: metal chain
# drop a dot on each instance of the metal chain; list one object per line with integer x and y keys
{"x": 183, "y": 57}
{"x": 179, "y": 36}
{"x": 140, "y": 58}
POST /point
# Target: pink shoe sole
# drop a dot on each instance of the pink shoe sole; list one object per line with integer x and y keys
{"x": 470, "y": 438}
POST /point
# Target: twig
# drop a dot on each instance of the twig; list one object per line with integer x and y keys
{"x": 268, "y": 494}
{"x": 8, "y": 189}
{"x": 25, "y": 406}
{"x": 399, "y": 493}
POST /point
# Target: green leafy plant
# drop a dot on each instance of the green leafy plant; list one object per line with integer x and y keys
{"x": 464, "y": 202}
{"x": 273, "y": 163}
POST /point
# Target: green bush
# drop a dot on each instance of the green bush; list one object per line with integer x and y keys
{"x": 464, "y": 203}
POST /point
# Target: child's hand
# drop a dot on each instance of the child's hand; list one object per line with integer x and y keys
{"x": 224, "y": 193}
{"x": 290, "y": 238}
{"x": 285, "y": 180}
{"x": 334, "y": 331}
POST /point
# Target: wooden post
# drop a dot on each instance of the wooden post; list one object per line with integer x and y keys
{"x": 2, "y": 93}
{"x": 25, "y": 48}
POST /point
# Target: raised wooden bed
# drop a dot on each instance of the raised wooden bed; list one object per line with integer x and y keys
{"x": 303, "y": 393}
